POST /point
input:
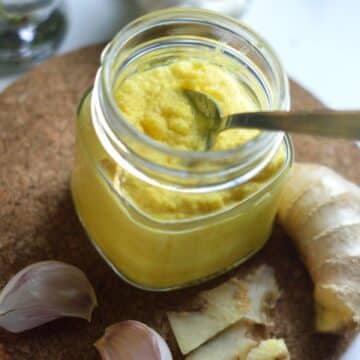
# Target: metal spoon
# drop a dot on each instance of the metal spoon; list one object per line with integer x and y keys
{"x": 345, "y": 124}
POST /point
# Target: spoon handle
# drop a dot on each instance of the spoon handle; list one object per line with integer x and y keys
{"x": 345, "y": 124}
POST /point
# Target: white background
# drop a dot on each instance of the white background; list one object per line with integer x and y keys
{"x": 317, "y": 41}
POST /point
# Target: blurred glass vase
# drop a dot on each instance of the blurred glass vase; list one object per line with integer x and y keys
{"x": 30, "y": 30}
{"x": 233, "y": 8}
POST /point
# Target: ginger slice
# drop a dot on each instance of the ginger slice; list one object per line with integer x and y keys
{"x": 216, "y": 309}
{"x": 236, "y": 343}
{"x": 320, "y": 210}
{"x": 229, "y": 345}
{"x": 272, "y": 349}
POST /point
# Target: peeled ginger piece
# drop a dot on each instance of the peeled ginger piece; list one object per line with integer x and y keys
{"x": 236, "y": 343}
{"x": 233, "y": 343}
{"x": 217, "y": 309}
{"x": 320, "y": 210}
{"x": 272, "y": 349}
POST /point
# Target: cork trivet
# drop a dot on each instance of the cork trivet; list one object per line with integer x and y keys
{"x": 38, "y": 221}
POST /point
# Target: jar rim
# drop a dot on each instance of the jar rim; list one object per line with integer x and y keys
{"x": 143, "y": 23}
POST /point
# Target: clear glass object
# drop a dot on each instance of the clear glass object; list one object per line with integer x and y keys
{"x": 167, "y": 254}
{"x": 30, "y": 30}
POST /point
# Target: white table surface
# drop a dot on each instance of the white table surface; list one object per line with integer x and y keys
{"x": 317, "y": 40}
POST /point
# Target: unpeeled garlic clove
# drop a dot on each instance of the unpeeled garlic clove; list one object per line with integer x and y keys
{"x": 45, "y": 291}
{"x": 132, "y": 340}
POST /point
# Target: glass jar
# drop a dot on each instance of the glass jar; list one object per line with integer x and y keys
{"x": 163, "y": 254}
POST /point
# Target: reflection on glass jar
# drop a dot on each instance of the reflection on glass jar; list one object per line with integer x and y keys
{"x": 162, "y": 212}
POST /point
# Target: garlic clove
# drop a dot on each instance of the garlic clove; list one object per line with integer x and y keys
{"x": 132, "y": 340}
{"x": 45, "y": 291}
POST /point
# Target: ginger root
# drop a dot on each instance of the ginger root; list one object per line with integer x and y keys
{"x": 320, "y": 210}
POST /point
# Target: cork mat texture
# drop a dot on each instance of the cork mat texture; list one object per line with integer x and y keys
{"x": 38, "y": 222}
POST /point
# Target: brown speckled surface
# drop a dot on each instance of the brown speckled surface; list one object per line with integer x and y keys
{"x": 37, "y": 221}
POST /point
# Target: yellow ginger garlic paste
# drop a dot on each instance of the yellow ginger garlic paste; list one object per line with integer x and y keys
{"x": 154, "y": 103}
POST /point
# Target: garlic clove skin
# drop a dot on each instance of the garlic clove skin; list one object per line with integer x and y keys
{"x": 132, "y": 340}
{"x": 45, "y": 291}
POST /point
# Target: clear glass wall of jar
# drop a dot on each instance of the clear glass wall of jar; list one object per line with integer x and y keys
{"x": 158, "y": 254}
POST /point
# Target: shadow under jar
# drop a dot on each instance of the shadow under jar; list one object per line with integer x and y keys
{"x": 228, "y": 198}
